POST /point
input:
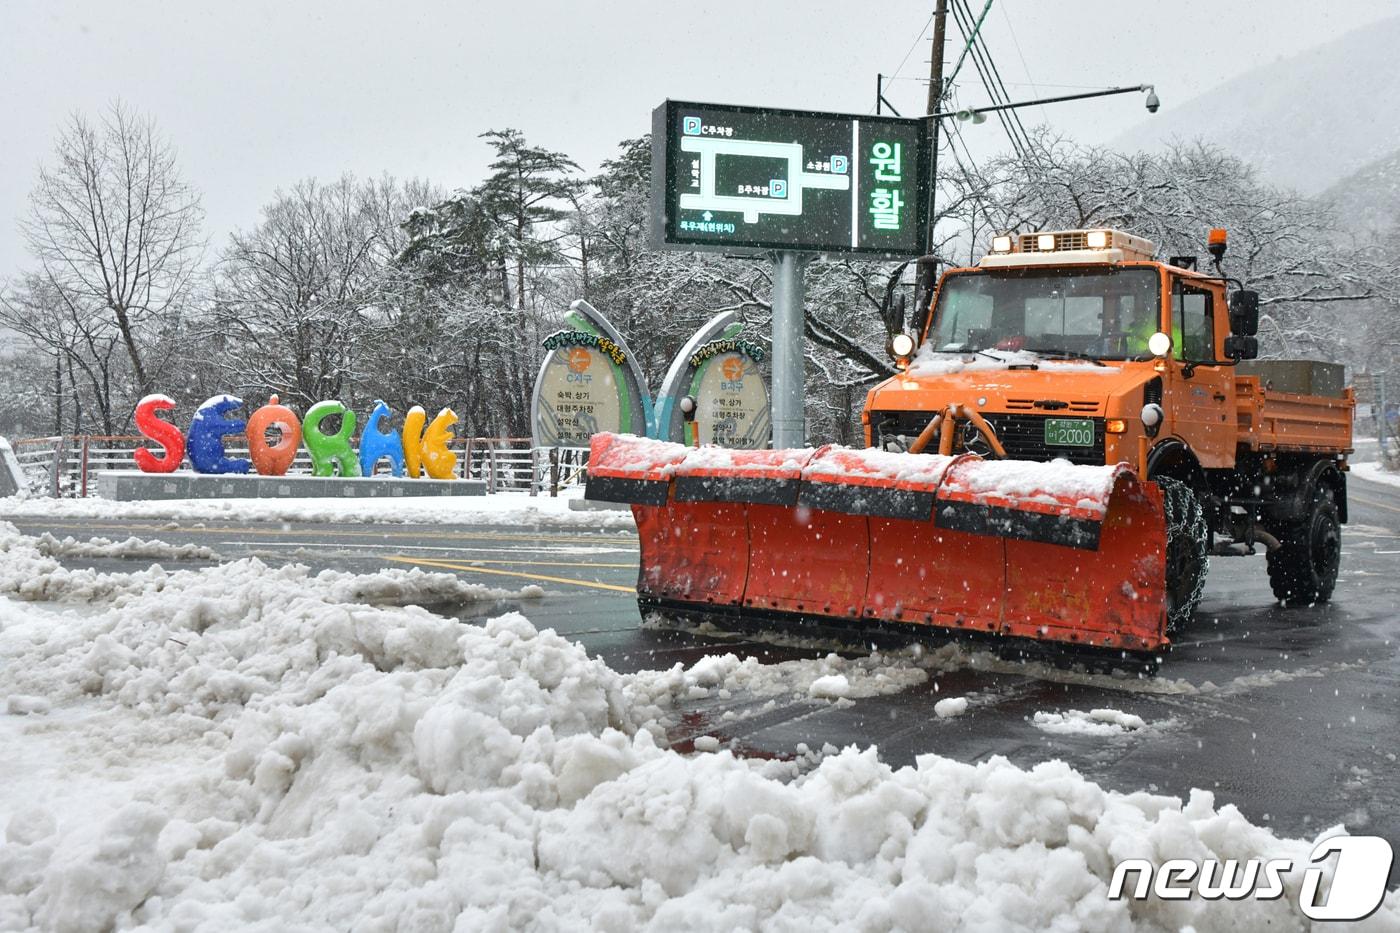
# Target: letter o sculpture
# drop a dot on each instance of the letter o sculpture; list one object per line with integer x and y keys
{"x": 273, "y": 459}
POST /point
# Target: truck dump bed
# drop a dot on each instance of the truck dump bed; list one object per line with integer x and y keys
{"x": 1294, "y": 406}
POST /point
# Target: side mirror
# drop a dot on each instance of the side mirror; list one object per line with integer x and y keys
{"x": 1241, "y": 348}
{"x": 1244, "y": 313}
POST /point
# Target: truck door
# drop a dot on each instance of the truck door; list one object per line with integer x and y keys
{"x": 1201, "y": 405}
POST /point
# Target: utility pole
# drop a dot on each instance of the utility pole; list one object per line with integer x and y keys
{"x": 935, "y": 104}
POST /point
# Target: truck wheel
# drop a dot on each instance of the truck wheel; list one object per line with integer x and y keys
{"x": 1303, "y": 571}
{"x": 1187, "y": 551}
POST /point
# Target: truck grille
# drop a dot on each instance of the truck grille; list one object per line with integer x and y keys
{"x": 1023, "y": 436}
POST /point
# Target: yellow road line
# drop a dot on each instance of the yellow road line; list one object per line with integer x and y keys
{"x": 1372, "y": 502}
{"x": 467, "y": 568}
{"x": 472, "y": 562}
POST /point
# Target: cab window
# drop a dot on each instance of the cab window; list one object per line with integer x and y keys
{"x": 1193, "y": 318}
{"x": 1103, "y": 312}
{"x": 964, "y": 311}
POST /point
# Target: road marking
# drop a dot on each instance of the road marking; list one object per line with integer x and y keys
{"x": 1379, "y": 505}
{"x": 468, "y": 568}
{"x": 341, "y": 545}
{"x": 563, "y": 535}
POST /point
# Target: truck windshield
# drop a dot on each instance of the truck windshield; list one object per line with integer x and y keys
{"x": 1102, "y": 313}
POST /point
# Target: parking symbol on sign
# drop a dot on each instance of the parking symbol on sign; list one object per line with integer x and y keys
{"x": 690, "y": 126}
{"x": 777, "y": 187}
{"x": 838, "y": 164}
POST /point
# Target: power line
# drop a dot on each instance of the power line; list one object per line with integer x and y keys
{"x": 968, "y": 39}
{"x": 991, "y": 80}
{"x": 964, "y": 20}
{"x": 1001, "y": 86}
{"x": 1011, "y": 30}
{"x": 912, "y": 46}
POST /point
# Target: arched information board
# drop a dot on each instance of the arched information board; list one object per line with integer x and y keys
{"x": 720, "y": 370}
{"x": 589, "y": 382}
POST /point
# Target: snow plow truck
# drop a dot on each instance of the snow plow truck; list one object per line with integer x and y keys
{"x": 1077, "y": 428}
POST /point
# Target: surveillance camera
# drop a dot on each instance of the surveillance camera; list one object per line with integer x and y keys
{"x": 1152, "y": 102}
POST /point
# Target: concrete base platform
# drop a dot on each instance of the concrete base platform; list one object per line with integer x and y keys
{"x": 132, "y": 486}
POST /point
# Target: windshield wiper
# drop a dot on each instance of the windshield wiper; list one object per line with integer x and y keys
{"x": 1051, "y": 353}
{"x": 965, "y": 349}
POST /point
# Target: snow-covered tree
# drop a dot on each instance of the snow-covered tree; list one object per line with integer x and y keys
{"x": 298, "y": 297}
{"x": 115, "y": 234}
{"x": 1283, "y": 245}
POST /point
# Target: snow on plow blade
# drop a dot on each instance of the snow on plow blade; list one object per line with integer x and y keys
{"x": 1046, "y": 551}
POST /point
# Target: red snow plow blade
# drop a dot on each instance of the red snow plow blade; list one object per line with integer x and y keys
{"x": 1045, "y": 551}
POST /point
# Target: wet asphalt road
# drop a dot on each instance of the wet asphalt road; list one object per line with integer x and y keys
{"x": 1291, "y": 715}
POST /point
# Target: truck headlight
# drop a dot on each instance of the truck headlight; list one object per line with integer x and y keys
{"x": 901, "y": 346}
{"x": 1159, "y": 344}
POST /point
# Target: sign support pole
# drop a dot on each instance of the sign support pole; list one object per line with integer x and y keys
{"x": 789, "y": 369}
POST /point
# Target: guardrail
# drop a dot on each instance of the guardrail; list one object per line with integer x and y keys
{"x": 65, "y": 466}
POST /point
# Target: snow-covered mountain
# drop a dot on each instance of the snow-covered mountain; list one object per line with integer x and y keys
{"x": 1306, "y": 121}
{"x": 1367, "y": 201}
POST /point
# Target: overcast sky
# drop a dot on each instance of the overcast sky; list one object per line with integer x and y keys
{"x": 256, "y": 95}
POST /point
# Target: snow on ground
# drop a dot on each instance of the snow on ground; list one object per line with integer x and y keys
{"x": 501, "y": 508}
{"x": 949, "y": 707}
{"x": 1095, "y": 722}
{"x": 30, "y": 571}
{"x": 1375, "y": 474}
{"x": 956, "y": 656}
{"x": 831, "y": 678}
{"x": 247, "y": 747}
{"x": 132, "y": 548}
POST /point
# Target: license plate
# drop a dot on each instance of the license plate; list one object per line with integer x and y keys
{"x": 1069, "y": 432}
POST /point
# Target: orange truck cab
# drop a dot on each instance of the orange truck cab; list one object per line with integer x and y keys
{"x": 1081, "y": 346}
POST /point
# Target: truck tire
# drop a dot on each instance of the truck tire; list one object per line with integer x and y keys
{"x": 1188, "y": 547}
{"x": 1303, "y": 571}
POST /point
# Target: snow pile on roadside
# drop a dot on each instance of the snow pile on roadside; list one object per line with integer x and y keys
{"x": 1376, "y": 473}
{"x": 29, "y": 571}
{"x": 1094, "y": 722}
{"x": 132, "y": 548}
{"x": 515, "y": 509}
{"x": 832, "y": 678}
{"x": 333, "y": 765}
